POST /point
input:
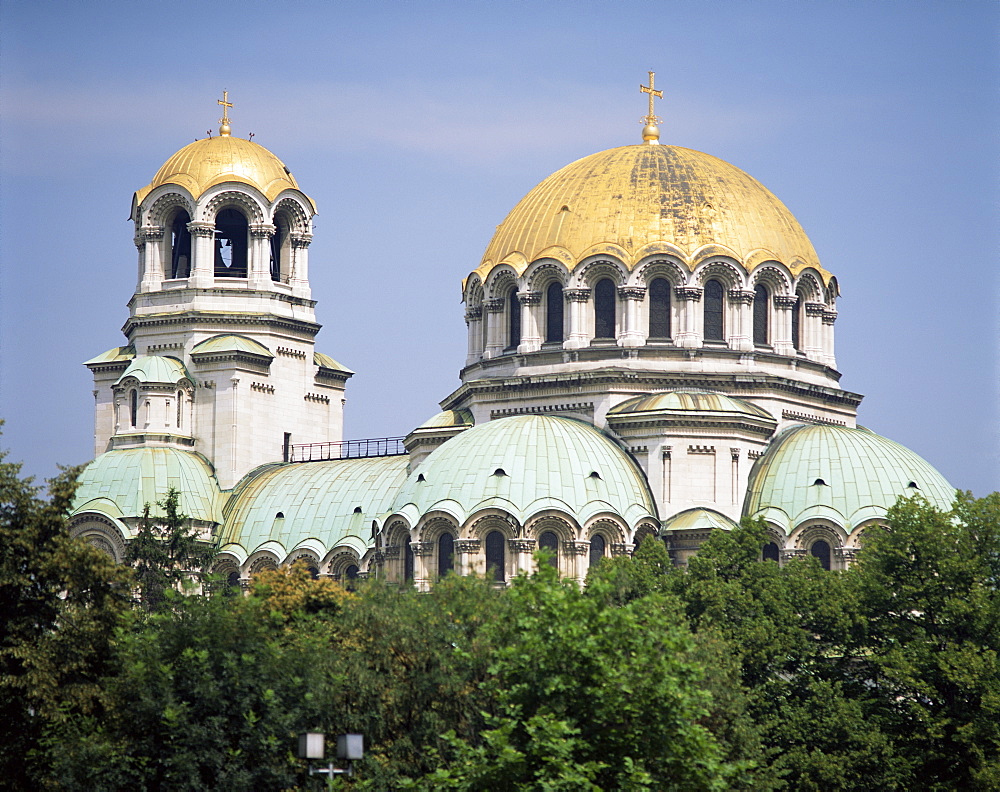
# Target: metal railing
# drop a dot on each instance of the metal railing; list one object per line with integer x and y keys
{"x": 346, "y": 449}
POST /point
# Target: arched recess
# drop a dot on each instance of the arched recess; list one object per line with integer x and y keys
{"x": 177, "y": 245}
{"x": 100, "y": 532}
{"x": 714, "y": 310}
{"x": 394, "y": 547}
{"x": 659, "y": 301}
{"x": 260, "y": 563}
{"x": 225, "y": 576}
{"x": 496, "y": 555}
{"x": 605, "y": 309}
{"x": 761, "y": 315}
{"x": 440, "y": 533}
{"x": 555, "y": 313}
{"x": 339, "y": 562}
{"x": 821, "y": 540}
{"x": 513, "y": 318}
{"x": 306, "y": 558}
{"x": 232, "y": 243}
{"x": 555, "y": 533}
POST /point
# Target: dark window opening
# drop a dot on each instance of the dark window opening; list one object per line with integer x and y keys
{"x": 407, "y": 562}
{"x": 278, "y": 240}
{"x": 351, "y": 573}
{"x": 232, "y": 583}
{"x": 913, "y": 485}
{"x": 550, "y": 542}
{"x": 597, "y": 546}
{"x": 796, "y": 341}
{"x": 770, "y": 552}
{"x": 554, "y": 313}
{"x": 821, "y": 550}
{"x": 659, "y": 308}
{"x": 286, "y": 447}
{"x": 594, "y": 474}
{"x": 446, "y": 554}
{"x": 231, "y": 232}
{"x": 496, "y": 552}
{"x": 313, "y": 571}
{"x": 760, "y": 314}
{"x": 134, "y": 406}
{"x": 279, "y": 516}
{"x": 499, "y": 472}
{"x": 819, "y": 483}
{"x": 604, "y": 309}
{"x": 513, "y": 319}
{"x": 180, "y": 246}
{"x": 420, "y": 477}
{"x": 714, "y": 324}
{"x": 357, "y": 510}
{"x": 180, "y": 402}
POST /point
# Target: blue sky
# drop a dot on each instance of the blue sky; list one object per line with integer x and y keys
{"x": 416, "y": 126}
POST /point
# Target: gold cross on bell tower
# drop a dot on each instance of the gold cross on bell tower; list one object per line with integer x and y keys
{"x": 226, "y": 104}
{"x": 650, "y": 132}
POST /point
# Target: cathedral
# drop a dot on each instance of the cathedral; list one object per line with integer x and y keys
{"x": 650, "y": 353}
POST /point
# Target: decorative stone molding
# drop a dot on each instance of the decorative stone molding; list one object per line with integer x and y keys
{"x": 493, "y": 304}
{"x": 785, "y": 302}
{"x": 631, "y": 292}
{"x": 529, "y": 297}
{"x": 618, "y": 549}
{"x": 735, "y": 453}
{"x": 847, "y": 554}
{"x": 262, "y": 387}
{"x": 741, "y": 297}
{"x": 391, "y": 553}
{"x": 787, "y": 554}
{"x": 754, "y": 453}
{"x": 576, "y": 548}
{"x": 201, "y": 230}
{"x": 262, "y": 230}
{"x": 576, "y": 295}
{"x": 300, "y": 239}
{"x": 791, "y": 415}
{"x": 293, "y": 353}
{"x": 700, "y": 449}
{"x": 829, "y": 317}
{"x": 319, "y": 398}
{"x": 815, "y": 309}
{"x": 473, "y": 313}
{"x": 522, "y": 545}
{"x": 422, "y": 549}
{"x": 579, "y": 407}
{"x": 234, "y": 198}
{"x": 692, "y": 293}
{"x": 467, "y": 545}
{"x": 150, "y": 233}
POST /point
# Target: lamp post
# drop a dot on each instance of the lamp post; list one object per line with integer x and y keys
{"x": 350, "y": 748}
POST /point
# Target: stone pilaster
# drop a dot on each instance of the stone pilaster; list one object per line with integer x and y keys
{"x": 688, "y": 334}
{"x": 631, "y": 297}
{"x": 576, "y": 302}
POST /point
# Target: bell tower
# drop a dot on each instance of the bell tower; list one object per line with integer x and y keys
{"x": 222, "y": 313}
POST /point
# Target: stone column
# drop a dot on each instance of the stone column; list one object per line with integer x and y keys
{"x": 202, "y": 255}
{"x": 298, "y": 271}
{"x": 522, "y": 551}
{"x": 150, "y": 259}
{"x": 689, "y": 331}
{"x": 829, "y": 317}
{"x": 740, "y": 329}
{"x": 576, "y": 301}
{"x": 578, "y": 553}
{"x": 632, "y": 334}
{"x": 466, "y": 552}
{"x": 494, "y": 330}
{"x": 474, "y": 323}
{"x": 531, "y": 339}
{"x": 812, "y": 320}
{"x": 259, "y": 269}
{"x": 422, "y": 552}
{"x": 781, "y": 330}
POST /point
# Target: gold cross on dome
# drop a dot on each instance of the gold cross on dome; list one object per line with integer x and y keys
{"x": 226, "y": 104}
{"x": 651, "y": 118}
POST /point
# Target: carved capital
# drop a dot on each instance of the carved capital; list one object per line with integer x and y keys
{"x": 619, "y": 549}
{"x": 785, "y": 302}
{"x": 829, "y": 317}
{"x": 734, "y": 453}
{"x": 476, "y": 312}
{"x": 391, "y": 553}
{"x": 493, "y": 305}
{"x": 529, "y": 297}
{"x": 422, "y": 548}
{"x": 692, "y": 293}
{"x": 576, "y": 548}
{"x": 631, "y": 292}
{"x": 522, "y": 545}
{"x": 576, "y": 295}
{"x": 467, "y": 545}
{"x": 741, "y": 297}
{"x": 815, "y": 309}
{"x": 150, "y": 233}
{"x": 846, "y": 553}
{"x": 300, "y": 239}
{"x": 262, "y": 230}
{"x": 201, "y": 230}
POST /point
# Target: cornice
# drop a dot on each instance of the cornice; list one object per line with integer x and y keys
{"x": 221, "y": 318}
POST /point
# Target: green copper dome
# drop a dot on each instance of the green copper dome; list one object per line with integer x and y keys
{"x": 524, "y": 465}
{"x": 689, "y": 401}
{"x": 319, "y": 504}
{"x": 844, "y": 475}
{"x": 156, "y": 368}
{"x": 120, "y": 483}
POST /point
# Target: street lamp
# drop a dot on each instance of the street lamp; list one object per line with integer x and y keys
{"x": 350, "y": 748}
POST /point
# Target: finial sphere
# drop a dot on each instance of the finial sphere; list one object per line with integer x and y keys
{"x": 651, "y": 133}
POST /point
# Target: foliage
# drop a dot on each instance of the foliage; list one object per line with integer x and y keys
{"x": 166, "y": 553}
{"x": 59, "y": 601}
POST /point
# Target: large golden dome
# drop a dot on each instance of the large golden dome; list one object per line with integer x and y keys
{"x": 205, "y": 163}
{"x": 634, "y": 201}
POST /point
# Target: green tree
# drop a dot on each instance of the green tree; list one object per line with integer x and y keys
{"x": 60, "y": 600}
{"x": 166, "y": 553}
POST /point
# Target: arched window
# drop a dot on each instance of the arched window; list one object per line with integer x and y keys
{"x": 760, "y": 313}
{"x": 232, "y": 583}
{"x": 278, "y": 241}
{"x": 604, "y": 309}
{"x": 231, "y": 232}
{"x": 821, "y": 550}
{"x": 134, "y": 406}
{"x": 795, "y": 324}
{"x": 446, "y": 554}
{"x": 550, "y": 542}
{"x": 714, "y": 325}
{"x": 407, "y": 562}
{"x": 770, "y": 552}
{"x": 659, "y": 308}
{"x": 554, "y": 313}
{"x": 180, "y": 246}
{"x": 180, "y": 407}
{"x": 351, "y": 575}
{"x": 597, "y": 547}
{"x": 313, "y": 571}
{"x": 496, "y": 556}
{"x": 513, "y": 319}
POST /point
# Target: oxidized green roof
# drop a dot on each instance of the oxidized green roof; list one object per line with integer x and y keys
{"x": 113, "y": 355}
{"x": 231, "y": 343}
{"x": 449, "y": 418}
{"x": 327, "y": 362}
{"x": 862, "y": 475}
{"x": 317, "y": 501}
{"x": 698, "y": 520}
{"x": 119, "y": 483}
{"x": 548, "y": 463}
{"x": 155, "y": 368}
{"x": 689, "y": 401}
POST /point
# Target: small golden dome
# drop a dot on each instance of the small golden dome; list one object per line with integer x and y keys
{"x": 635, "y": 201}
{"x": 205, "y": 163}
